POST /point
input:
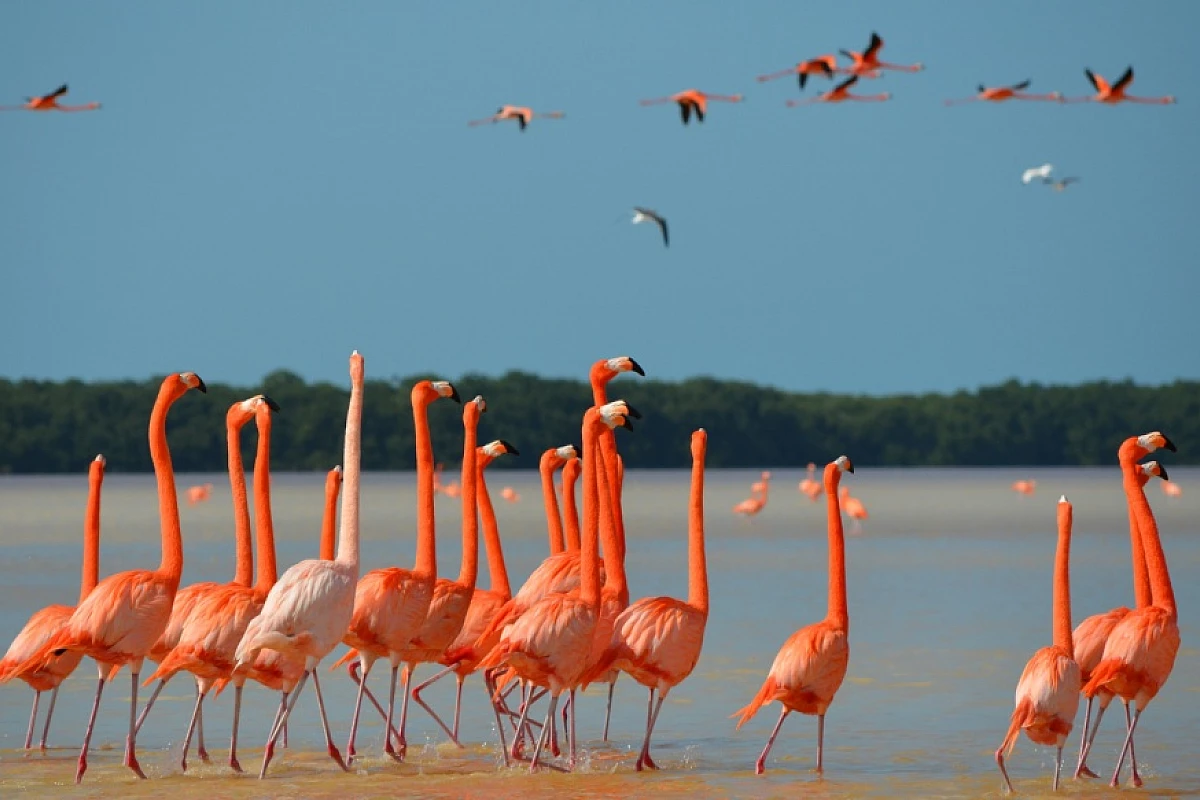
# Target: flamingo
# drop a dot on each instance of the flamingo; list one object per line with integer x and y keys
{"x": 821, "y": 65}
{"x": 391, "y": 603}
{"x": 49, "y": 102}
{"x": 649, "y": 215}
{"x": 1171, "y": 489}
{"x": 119, "y": 621}
{"x": 308, "y": 609}
{"x": 752, "y": 505}
{"x": 47, "y": 622}
{"x": 867, "y": 62}
{"x": 853, "y": 508}
{"x": 198, "y": 494}
{"x": 691, "y": 100}
{"x": 657, "y": 640}
{"x": 998, "y": 94}
{"x": 1024, "y": 486}
{"x": 1140, "y": 651}
{"x": 1060, "y": 184}
{"x": 1114, "y": 94}
{"x": 810, "y": 486}
{"x": 1042, "y": 172}
{"x": 521, "y": 114}
{"x": 841, "y": 93}
{"x": 570, "y": 513}
{"x": 1048, "y": 691}
{"x": 220, "y": 617}
{"x": 1093, "y": 632}
{"x": 510, "y": 494}
{"x": 810, "y": 666}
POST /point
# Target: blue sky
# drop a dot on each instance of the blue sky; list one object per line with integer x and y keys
{"x": 273, "y": 184}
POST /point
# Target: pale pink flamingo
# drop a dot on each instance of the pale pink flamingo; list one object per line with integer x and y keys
{"x": 198, "y": 494}
{"x": 752, "y": 505}
{"x": 47, "y": 622}
{"x": 999, "y": 94}
{"x": 307, "y": 610}
{"x": 1048, "y": 691}
{"x": 510, "y": 494}
{"x": 1024, "y": 486}
{"x": 691, "y": 100}
{"x": 1171, "y": 489}
{"x": 119, "y": 621}
{"x": 49, "y": 102}
{"x": 811, "y": 665}
{"x": 522, "y": 114}
{"x": 810, "y": 486}
{"x": 853, "y": 508}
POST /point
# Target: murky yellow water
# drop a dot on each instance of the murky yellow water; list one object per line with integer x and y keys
{"x": 949, "y": 595}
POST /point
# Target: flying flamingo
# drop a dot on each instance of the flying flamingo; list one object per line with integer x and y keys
{"x": 510, "y": 494}
{"x": 657, "y": 640}
{"x": 1093, "y": 632}
{"x": 1171, "y": 489}
{"x": 841, "y": 93}
{"x": 998, "y": 94}
{"x": 307, "y": 610}
{"x": 1140, "y": 652}
{"x": 1114, "y": 94}
{"x": 1024, "y": 486}
{"x": 821, "y": 65}
{"x": 853, "y": 508}
{"x": 867, "y": 63}
{"x": 119, "y": 621}
{"x": 391, "y": 603}
{"x": 49, "y": 102}
{"x": 521, "y": 114}
{"x": 693, "y": 100}
{"x": 47, "y": 622}
{"x": 810, "y": 666}
{"x": 198, "y": 494}
{"x": 810, "y": 486}
{"x": 1048, "y": 691}
{"x": 1060, "y": 184}
{"x": 220, "y": 617}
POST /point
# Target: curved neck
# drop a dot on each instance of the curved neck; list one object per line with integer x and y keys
{"x": 91, "y": 533}
{"x": 491, "y": 536}
{"x": 244, "y": 569}
{"x": 265, "y": 527}
{"x": 426, "y": 561}
{"x": 839, "y": 614}
{"x": 589, "y": 578}
{"x": 1062, "y": 582}
{"x": 608, "y": 448}
{"x": 469, "y": 572}
{"x": 164, "y": 473}
{"x": 614, "y": 561}
{"x": 697, "y": 563}
{"x": 347, "y": 552}
{"x": 570, "y": 474}
{"x": 1156, "y": 560}
{"x": 549, "y": 497}
{"x": 333, "y": 485}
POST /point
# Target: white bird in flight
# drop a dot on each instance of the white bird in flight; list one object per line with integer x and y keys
{"x": 1042, "y": 172}
{"x": 646, "y": 215}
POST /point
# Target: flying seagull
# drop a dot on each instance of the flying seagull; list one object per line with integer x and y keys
{"x": 1042, "y": 172}
{"x": 647, "y": 215}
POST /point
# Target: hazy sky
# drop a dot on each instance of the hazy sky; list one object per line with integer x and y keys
{"x": 273, "y": 184}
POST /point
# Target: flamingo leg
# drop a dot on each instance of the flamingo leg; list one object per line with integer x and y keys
{"x": 37, "y": 696}
{"x": 49, "y": 714}
{"x": 516, "y": 745}
{"x": 367, "y": 693}
{"x": 1000, "y": 763}
{"x": 1082, "y": 767}
{"x": 1057, "y": 767}
{"x": 760, "y": 765}
{"x": 280, "y": 721}
{"x": 401, "y": 741}
{"x": 1128, "y": 743}
{"x": 283, "y": 703}
{"x": 149, "y": 704}
{"x": 333, "y": 751}
{"x": 491, "y": 691}
{"x": 131, "y": 740}
{"x": 459, "y": 680}
{"x": 652, "y": 710}
{"x": 608, "y": 709}
{"x": 416, "y": 695}
{"x": 820, "y": 744}
{"x": 1087, "y": 718}
{"x": 1135, "y": 779}
{"x": 234, "y": 764}
{"x": 387, "y": 727}
{"x": 573, "y": 748}
{"x": 87, "y": 736}
{"x": 187, "y": 738}
{"x": 537, "y": 750}
{"x": 362, "y": 685}
{"x": 201, "y": 750}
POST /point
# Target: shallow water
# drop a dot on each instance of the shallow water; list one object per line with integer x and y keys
{"x": 949, "y": 582}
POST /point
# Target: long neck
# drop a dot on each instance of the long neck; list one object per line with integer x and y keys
{"x": 839, "y": 614}
{"x": 91, "y": 534}
{"x": 1156, "y": 559}
{"x": 469, "y": 572}
{"x": 608, "y": 447}
{"x": 491, "y": 537}
{"x": 589, "y": 579}
{"x": 164, "y": 473}
{"x": 614, "y": 561}
{"x": 264, "y": 526}
{"x": 244, "y": 569}
{"x": 347, "y": 552}
{"x": 697, "y": 563}
{"x": 1141, "y": 574}
{"x": 1062, "y": 582}
{"x": 426, "y": 562}
{"x": 553, "y": 521}
{"x": 333, "y": 485}
{"x": 569, "y": 511}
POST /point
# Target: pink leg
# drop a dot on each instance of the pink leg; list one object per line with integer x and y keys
{"x": 516, "y": 745}
{"x": 537, "y": 750}
{"x": 571, "y": 700}
{"x": 416, "y": 695}
{"x": 280, "y": 721}
{"x": 761, "y": 765}
{"x": 1082, "y": 768}
{"x": 362, "y": 683}
{"x": 387, "y": 727}
{"x": 1128, "y": 744}
{"x": 37, "y": 696}
{"x": 1057, "y": 767}
{"x": 283, "y": 704}
{"x": 87, "y": 736}
{"x": 1000, "y": 763}
{"x": 131, "y": 740}
{"x": 490, "y": 687}
{"x": 367, "y": 694}
{"x": 201, "y": 750}
{"x": 820, "y": 744}
{"x": 608, "y": 710}
{"x": 401, "y": 742}
{"x": 458, "y": 680}
{"x": 333, "y": 751}
{"x": 141, "y": 720}
{"x": 187, "y": 738}
{"x": 1135, "y": 780}
{"x": 644, "y": 759}
{"x": 234, "y": 764}
{"x": 49, "y": 714}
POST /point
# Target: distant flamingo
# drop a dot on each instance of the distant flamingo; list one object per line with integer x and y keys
{"x": 1024, "y": 486}
{"x": 1171, "y": 489}
{"x": 47, "y": 622}
{"x": 821, "y": 65}
{"x": 867, "y": 63}
{"x": 754, "y": 504}
{"x": 1048, "y": 691}
{"x": 998, "y": 94}
{"x": 853, "y": 508}
{"x": 119, "y": 620}
{"x": 510, "y": 494}
{"x": 841, "y": 93}
{"x": 198, "y": 494}
{"x": 810, "y": 666}
{"x": 309, "y": 607}
{"x": 657, "y": 640}
{"x": 1114, "y": 94}
{"x": 693, "y": 100}
{"x": 49, "y": 102}
{"x": 810, "y": 486}
{"x": 521, "y": 114}
{"x": 1059, "y": 184}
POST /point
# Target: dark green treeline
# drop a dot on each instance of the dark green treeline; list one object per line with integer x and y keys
{"x": 48, "y": 427}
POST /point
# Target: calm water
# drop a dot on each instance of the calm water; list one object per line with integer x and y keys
{"x": 949, "y": 583}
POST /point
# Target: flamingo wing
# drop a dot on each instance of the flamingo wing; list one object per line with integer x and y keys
{"x": 1017, "y": 87}
{"x": 59, "y": 92}
{"x": 846, "y": 84}
{"x": 873, "y": 48}
{"x": 1124, "y": 81}
{"x": 1098, "y": 83}
{"x": 662, "y": 223}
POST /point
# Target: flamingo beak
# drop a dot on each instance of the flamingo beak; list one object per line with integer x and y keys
{"x": 636, "y": 367}
{"x": 271, "y": 404}
{"x": 1168, "y": 445}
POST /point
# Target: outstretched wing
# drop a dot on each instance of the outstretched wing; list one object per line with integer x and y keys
{"x": 1124, "y": 80}
{"x": 873, "y": 48}
{"x": 662, "y": 223}
{"x": 1098, "y": 83}
{"x": 1018, "y": 87}
{"x": 846, "y": 84}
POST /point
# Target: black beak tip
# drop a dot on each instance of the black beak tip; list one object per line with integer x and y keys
{"x": 271, "y": 404}
{"x": 1162, "y": 472}
{"x": 850, "y": 469}
{"x": 509, "y": 448}
{"x": 633, "y": 412}
{"x": 636, "y": 367}
{"x": 454, "y": 395}
{"x": 200, "y": 385}
{"x": 1169, "y": 445}
{"x": 626, "y": 424}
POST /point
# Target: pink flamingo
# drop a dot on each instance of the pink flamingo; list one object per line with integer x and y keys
{"x": 1024, "y": 486}
{"x": 754, "y": 504}
{"x": 198, "y": 494}
{"x": 1114, "y": 94}
{"x": 810, "y": 487}
{"x": 840, "y": 94}
{"x": 853, "y": 508}
{"x": 999, "y": 94}
{"x": 307, "y": 610}
{"x": 47, "y": 622}
{"x": 691, "y": 100}
{"x": 49, "y": 102}
{"x": 867, "y": 62}
{"x": 510, "y": 494}
{"x": 522, "y": 114}
{"x": 1171, "y": 489}
{"x": 821, "y": 65}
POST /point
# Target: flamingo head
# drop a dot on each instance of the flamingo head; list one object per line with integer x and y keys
{"x": 617, "y": 414}
{"x": 606, "y": 369}
{"x": 190, "y": 380}
{"x": 428, "y": 391}
{"x": 844, "y": 464}
{"x": 497, "y": 448}
{"x": 96, "y": 468}
{"x": 1152, "y": 469}
{"x": 333, "y": 477}
{"x": 567, "y": 452}
{"x": 1149, "y": 442}
{"x": 699, "y": 443}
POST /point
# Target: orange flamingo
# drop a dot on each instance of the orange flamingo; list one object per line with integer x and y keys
{"x": 810, "y": 486}
{"x": 47, "y": 622}
{"x": 49, "y": 102}
{"x": 821, "y": 65}
{"x": 307, "y": 610}
{"x": 657, "y": 640}
{"x": 510, "y": 494}
{"x": 841, "y": 93}
{"x": 521, "y": 114}
{"x": 998, "y": 94}
{"x": 119, "y": 621}
{"x": 810, "y": 666}
{"x": 1048, "y": 691}
{"x": 693, "y": 100}
{"x": 1115, "y": 93}
{"x": 220, "y": 617}
{"x": 1024, "y": 486}
{"x": 198, "y": 494}
{"x": 867, "y": 62}
{"x": 758, "y": 499}
{"x": 1140, "y": 652}
{"x": 1093, "y": 632}
{"x": 853, "y": 508}
{"x": 1171, "y": 489}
